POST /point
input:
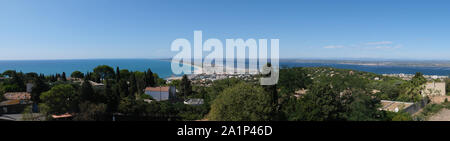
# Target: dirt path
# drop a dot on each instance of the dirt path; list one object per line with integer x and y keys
{"x": 443, "y": 115}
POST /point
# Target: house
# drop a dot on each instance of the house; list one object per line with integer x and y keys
{"x": 93, "y": 84}
{"x": 394, "y": 106}
{"x": 434, "y": 89}
{"x": 15, "y": 102}
{"x": 161, "y": 93}
{"x": 397, "y": 106}
{"x": 96, "y": 85}
{"x": 17, "y": 96}
{"x": 194, "y": 101}
{"x": 63, "y": 117}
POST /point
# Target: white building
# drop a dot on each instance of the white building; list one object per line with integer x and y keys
{"x": 434, "y": 89}
{"x": 161, "y": 93}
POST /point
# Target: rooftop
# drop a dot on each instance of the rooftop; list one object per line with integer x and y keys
{"x": 17, "y": 95}
{"x": 157, "y": 89}
{"x": 394, "y": 106}
{"x": 194, "y": 101}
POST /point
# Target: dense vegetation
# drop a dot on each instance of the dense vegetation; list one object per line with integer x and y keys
{"x": 328, "y": 94}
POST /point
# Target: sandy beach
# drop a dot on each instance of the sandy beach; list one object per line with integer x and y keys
{"x": 208, "y": 69}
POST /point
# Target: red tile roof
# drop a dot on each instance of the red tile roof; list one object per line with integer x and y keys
{"x": 158, "y": 89}
{"x": 66, "y": 115}
{"x": 17, "y": 96}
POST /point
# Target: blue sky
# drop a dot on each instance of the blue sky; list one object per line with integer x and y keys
{"x": 79, "y": 29}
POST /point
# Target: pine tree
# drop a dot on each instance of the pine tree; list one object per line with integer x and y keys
{"x": 39, "y": 86}
{"x": 133, "y": 85}
{"x": 123, "y": 88}
{"x": 112, "y": 97}
{"x": 186, "y": 88}
{"x": 87, "y": 92}
{"x": 149, "y": 79}
{"x": 64, "y": 78}
{"x": 117, "y": 74}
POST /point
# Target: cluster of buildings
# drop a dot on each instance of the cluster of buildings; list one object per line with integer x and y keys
{"x": 206, "y": 79}
{"x": 16, "y": 101}
{"x": 410, "y": 76}
{"x": 436, "y": 91}
{"x": 168, "y": 93}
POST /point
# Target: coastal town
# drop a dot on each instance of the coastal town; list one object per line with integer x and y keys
{"x": 191, "y": 91}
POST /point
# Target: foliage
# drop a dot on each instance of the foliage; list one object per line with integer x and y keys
{"x": 411, "y": 91}
{"x": 185, "y": 87}
{"x": 342, "y": 96}
{"x": 431, "y": 109}
{"x": 189, "y": 112}
{"x": 39, "y": 86}
{"x": 132, "y": 107}
{"x": 145, "y": 96}
{"x": 2, "y": 97}
{"x": 242, "y": 102}
{"x": 104, "y": 72}
{"x": 133, "y": 89}
{"x": 149, "y": 78}
{"x": 87, "y": 93}
{"x": 401, "y": 116}
{"x": 91, "y": 112}
{"x": 292, "y": 79}
{"x": 60, "y": 99}
{"x": 77, "y": 74}
{"x": 447, "y": 86}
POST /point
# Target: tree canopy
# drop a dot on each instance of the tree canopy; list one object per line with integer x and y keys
{"x": 242, "y": 102}
{"x": 60, "y": 99}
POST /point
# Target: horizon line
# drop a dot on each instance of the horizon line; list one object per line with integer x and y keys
{"x": 286, "y": 58}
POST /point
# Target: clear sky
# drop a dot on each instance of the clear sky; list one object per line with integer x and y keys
{"x": 79, "y": 29}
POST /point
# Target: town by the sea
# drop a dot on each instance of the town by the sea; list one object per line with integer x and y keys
{"x": 163, "y": 67}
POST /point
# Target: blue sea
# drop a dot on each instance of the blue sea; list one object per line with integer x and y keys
{"x": 47, "y": 67}
{"x": 163, "y": 68}
{"x": 378, "y": 69}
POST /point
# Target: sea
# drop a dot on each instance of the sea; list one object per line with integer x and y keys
{"x": 163, "y": 67}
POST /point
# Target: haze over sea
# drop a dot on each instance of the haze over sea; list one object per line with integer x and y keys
{"x": 163, "y": 67}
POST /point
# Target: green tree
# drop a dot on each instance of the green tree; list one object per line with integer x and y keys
{"x": 133, "y": 86}
{"x": 31, "y": 76}
{"x": 123, "y": 88}
{"x": 134, "y": 108}
{"x": 2, "y": 97}
{"x": 334, "y": 98}
{"x": 186, "y": 88}
{"x": 87, "y": 93}
{"x": 64, "y": 78}
{"x": 319, "y": 104}
{"x": 39, "y": 86}
{"x": 292, "y": 79}
{"x": 140, "y": 81}
{"x": 117, "y": 74}
{"x": 9, "y": 73}
{"x": 112, "y": 95}
{"x": 149, "y": 78}
{"x": 402, "y": 116}
{"x": 125, "y": 74}
{"x": 77, "y": 74}
{"x": 411, "y": 91}
{"x": 60, "y": 99}
{"x": 104, "y": 72}
{"x": 18, "y": 79}
{"x": 242, "y": 102}
{"x": 91, "y": 112}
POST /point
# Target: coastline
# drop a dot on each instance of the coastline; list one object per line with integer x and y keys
{"x": 200, "y": 70}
